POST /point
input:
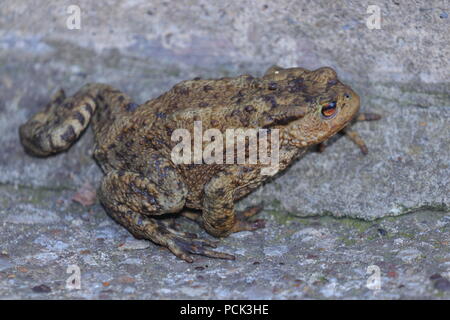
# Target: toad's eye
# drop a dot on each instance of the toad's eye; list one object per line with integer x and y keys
{"x": 347, "y": 96}
{"x": 329, "y": 110}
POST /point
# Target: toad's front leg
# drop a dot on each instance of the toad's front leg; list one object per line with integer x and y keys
{"x": 353, "y": 135}
{"x": 219, "y": 216}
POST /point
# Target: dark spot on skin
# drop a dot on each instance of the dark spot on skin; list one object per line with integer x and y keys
{"x": 148, "y": 141}
{"x": 309, "y": 99}
{"x": 169, "y": 131}
{"x": 249, "y": 78}
{"x": 50, "y": 139}
{"x": 249, "y": 108}
{"x": 214, "y": 122}
{"x": 69, "y": 135}
{"x": 79, "y": 117}
{"x": 223, "y": 220}
{"x": 161, "y": 115}
{"x": 121, "y": 173}
{"x": 197, "y": 78}
{"x": 113, "y": 90}
{"x": 89, "y": 109}
{"x": 271, "y": 99}
{"x": 121, "y": 136}
{"x": 131, "y": 107}
{"x": 244, "y": 121}
{"x": 68, "y": 105}
{"x": 162, "y": 230}
{"x": 155, "y": 157}
{"x": 121, "y": 98}
{"x": 119, "y": 154}
{"x": 207, "y": 88}
{"x": 182, "y": 90}
{"x": 235, "y": 112}
{"x": 332, "y": 82}
{"x": 150, "y": 198}
{"x": 129, "y": 144}
{"x": 220, "y": 191}
{"x": 238, "y": 95}
{"x": 100, "y": 155}
{"x": 296, "y": 85}
{"x": 59, "y": 100}
{"x": 278, "y": 122}
{"x": 111, "y": 146}
{"x": 100, "y": 97}
{"x": 107, "y": 112}
{"x": 272, "y": 86}
{"x": 160, "y": 143}
{"x": 297, "y": 101}
{"x": 139, "y": 221}
{"x": 203, "y": 104}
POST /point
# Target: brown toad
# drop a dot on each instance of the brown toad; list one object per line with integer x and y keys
{"x": 143, "y": 188}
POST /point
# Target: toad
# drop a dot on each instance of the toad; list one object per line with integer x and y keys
{"x": 144, "y": 189}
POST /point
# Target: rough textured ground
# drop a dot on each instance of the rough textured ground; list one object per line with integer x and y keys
{"x": 401, "y": 71}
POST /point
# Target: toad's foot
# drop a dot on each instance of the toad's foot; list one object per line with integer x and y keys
{"x": 356, "y": 139}
{"x": 183, "y": 244}
{"x": 354, "y": 136}
{"x": 242, "y": 222}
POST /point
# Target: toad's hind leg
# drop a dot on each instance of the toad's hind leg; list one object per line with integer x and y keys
{"x": 137, "y": 203}
{"x": 62, "y": 121}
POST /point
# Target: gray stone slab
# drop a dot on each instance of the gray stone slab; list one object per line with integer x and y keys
{"x": 401, "y": 71}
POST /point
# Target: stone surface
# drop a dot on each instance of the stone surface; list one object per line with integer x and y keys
{"x": 293, "y": 258}
{"x": 401, "y": 71}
